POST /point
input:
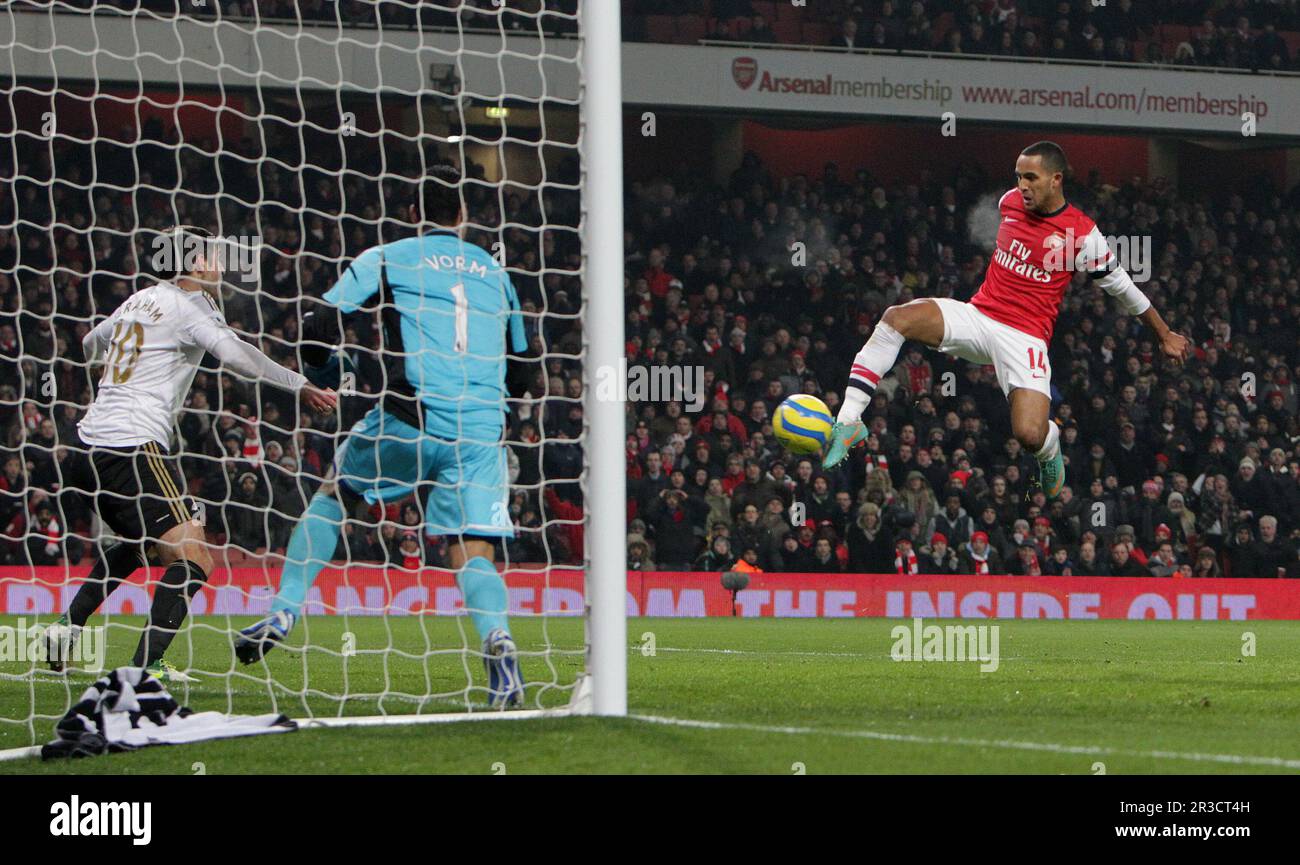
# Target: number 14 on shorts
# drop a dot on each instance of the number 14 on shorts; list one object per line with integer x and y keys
{"x": 1037, "y": 361}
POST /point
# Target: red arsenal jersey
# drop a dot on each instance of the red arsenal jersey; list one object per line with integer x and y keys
{"x": 1034, "y": 260}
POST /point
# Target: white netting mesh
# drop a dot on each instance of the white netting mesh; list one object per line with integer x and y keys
{"x": 295, "y": 128}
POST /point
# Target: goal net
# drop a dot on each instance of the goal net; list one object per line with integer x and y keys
{"x": 297, "y": 133}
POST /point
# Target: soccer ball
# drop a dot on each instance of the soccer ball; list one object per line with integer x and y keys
{"x": 802, "y": 424}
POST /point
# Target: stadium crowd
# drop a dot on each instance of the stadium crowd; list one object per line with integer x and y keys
{"x": 552, "y": 17}
{"x": 72, "y": 250}
{"x": 1237, "y": 34}
{"x": 1192, "y": 471}
{"x": 1243, "y": 34}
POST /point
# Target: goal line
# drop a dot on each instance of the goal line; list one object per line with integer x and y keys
{"x": 580, "y": 703}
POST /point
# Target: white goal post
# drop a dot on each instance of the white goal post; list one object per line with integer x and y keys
{"x": 529, "y": 93}
{"x": 602, "y": 195}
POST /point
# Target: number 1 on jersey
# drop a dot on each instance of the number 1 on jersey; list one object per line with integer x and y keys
{"x": 462, "y": 318}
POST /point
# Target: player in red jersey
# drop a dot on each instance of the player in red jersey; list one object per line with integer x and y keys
{"x": 1042, "y": 240}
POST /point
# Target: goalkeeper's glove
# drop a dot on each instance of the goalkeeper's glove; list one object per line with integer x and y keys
{"x": 329, "y": 375}
{"x": 319, "y": 335}
{"x": 322, "y": 363}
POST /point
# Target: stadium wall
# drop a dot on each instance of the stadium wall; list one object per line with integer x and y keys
{"x": 1147, "y": 99}
{"x": 247, "y": 591}
{"x": 900, "y": 153}
{"x": 237, "y": 54}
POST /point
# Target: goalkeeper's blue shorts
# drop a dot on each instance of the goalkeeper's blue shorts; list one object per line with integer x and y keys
{"x": 384, "y": 458}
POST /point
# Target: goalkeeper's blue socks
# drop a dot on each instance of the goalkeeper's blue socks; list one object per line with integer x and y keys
{"x": 485, "y": 596}
{"x": 311, "y": 546}
{"x": 486, "y": 601}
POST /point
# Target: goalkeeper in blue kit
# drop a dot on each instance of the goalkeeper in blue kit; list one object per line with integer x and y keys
{"x": 446, "y": 309}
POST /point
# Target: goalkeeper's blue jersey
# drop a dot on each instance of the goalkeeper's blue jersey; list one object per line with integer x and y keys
{"x": 446, "y": 308}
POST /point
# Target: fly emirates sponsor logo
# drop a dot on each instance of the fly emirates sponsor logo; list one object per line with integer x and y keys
{"x": 1016, "y": 260}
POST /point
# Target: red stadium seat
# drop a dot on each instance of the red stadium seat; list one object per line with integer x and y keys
{"x": 788, "y": 31}
{"x": 939, "y": 28}
{"x": 789, "y": 12}
{"x": 691, "y": 28}
{"x": 660, "y": 28}
{"x": 1174, "y": 33}
{"x": 816, "y": 33}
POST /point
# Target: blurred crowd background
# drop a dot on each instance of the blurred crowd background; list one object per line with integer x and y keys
{"x": 73, "y": 247}
{"x": 1236, "y": 34}
{"x": 1172, "y": 471}
{"x": 1192, "y": 469}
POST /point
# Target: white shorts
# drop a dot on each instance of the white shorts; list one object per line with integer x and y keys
{"x": 1019, "y": 359}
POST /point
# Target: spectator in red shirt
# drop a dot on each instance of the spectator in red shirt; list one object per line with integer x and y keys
{"x": 720, "y": 422}
{"x": 735, "y": 475}
{"x": 657, "y": 277}
{"x": 1027, "y": 562}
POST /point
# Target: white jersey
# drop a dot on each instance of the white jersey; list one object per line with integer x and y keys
{"x": 151, "y": 347}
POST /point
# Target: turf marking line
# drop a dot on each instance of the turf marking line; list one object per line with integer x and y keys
{"x": 1091, "y": 750}
{"x": 879, "y": 656}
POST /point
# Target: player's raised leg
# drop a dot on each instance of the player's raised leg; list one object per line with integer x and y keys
{"x": 920, "y": 320}
{"x": 1032, "y": 426}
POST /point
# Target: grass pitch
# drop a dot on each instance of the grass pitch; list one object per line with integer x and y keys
{"x": 731, "y": 695}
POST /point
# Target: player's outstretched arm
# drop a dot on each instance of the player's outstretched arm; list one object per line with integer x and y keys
{"x": 1118, "y": 284}
{"x": 1174, "y": 345}
{"x": 319, "y": 400}
{"x": 246, "y": 360}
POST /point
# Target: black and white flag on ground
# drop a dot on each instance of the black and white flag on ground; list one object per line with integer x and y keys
{"x": 128, "y": 709}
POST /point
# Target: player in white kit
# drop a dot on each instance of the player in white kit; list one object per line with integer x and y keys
{"x": 151, "y": 347}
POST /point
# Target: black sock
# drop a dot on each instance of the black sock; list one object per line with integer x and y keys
{"x": 171, "y": 604}
{"x": 113, "y": 565}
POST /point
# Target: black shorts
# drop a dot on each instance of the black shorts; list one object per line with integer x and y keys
{"x": 137, "y": 490}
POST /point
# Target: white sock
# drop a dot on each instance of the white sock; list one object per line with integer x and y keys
{"x": 853, "y": 405}
{"x": 875, "y": 359}
{"x": 1051, "y": 445}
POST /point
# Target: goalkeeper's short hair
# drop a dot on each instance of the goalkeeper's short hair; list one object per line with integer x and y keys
{"x": 440, "y": 195}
